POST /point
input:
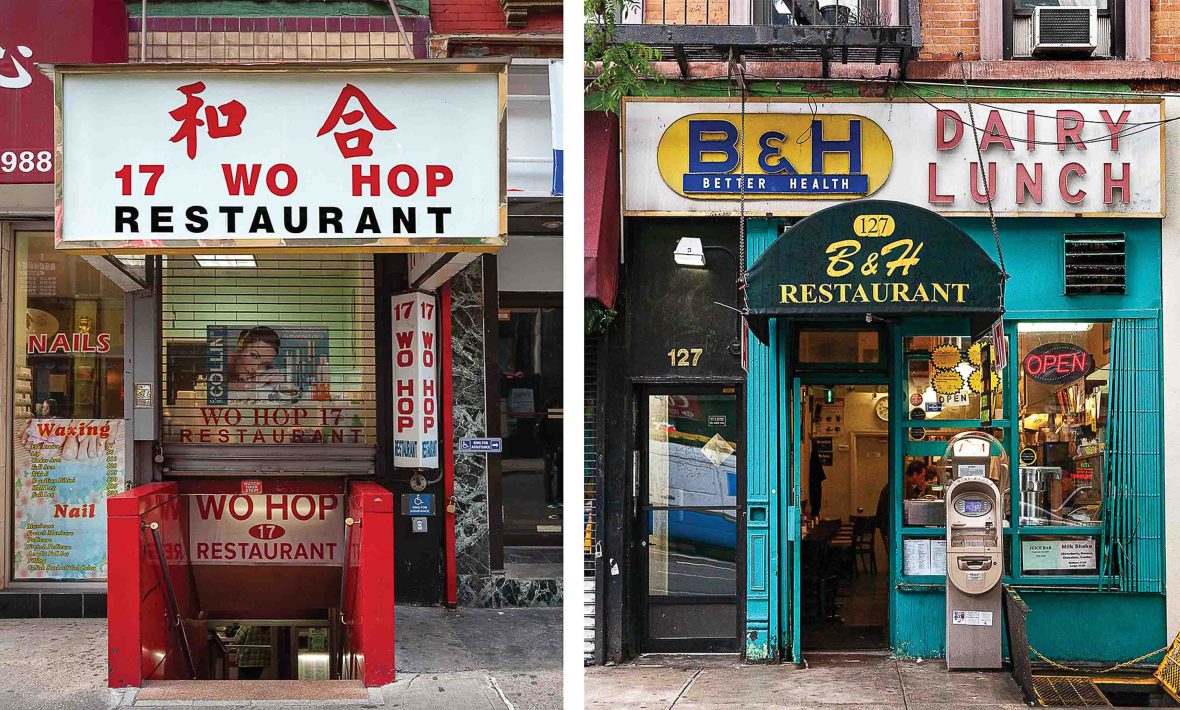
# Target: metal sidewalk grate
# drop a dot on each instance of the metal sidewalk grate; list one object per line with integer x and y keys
{"x": 1068, "y": 691}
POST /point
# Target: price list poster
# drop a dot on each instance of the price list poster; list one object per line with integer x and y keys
{"x": 65, "y": 470}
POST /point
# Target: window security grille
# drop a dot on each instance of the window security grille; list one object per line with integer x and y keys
{"x": 1095, "y": 264}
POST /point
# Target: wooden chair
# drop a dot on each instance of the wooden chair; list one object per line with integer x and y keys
{"x": 864, "y": 544}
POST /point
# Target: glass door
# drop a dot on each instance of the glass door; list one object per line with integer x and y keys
{"x": 690, "y": 498}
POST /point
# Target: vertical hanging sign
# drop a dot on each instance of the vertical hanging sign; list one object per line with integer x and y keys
{"x": 415, "y": 381}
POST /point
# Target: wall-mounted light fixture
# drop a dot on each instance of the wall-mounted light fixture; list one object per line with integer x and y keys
{"x": 689, "y": 252}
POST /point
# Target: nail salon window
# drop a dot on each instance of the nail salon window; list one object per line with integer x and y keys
{"x": 67, "y": 412}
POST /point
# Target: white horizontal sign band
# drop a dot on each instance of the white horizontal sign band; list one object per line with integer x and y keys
{"x": 1042, "y": 158}
{"x": 331, "y": 157}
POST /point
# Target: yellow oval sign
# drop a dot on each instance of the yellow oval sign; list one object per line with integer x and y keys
{"x": 783, "y": 156}
{"x": 874, "y": 225}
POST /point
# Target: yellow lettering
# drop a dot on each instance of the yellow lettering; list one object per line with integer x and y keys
{"x": 860, "y": 296}
{"x": 901, "y": 292}
{"x": 879, "y": 297}
{"x": 943, "y": 292}
{"x": 921, "y": 295}
{"x": 807, "y": 293}
{"x": 825, "y": 293}
{"x": 789, "y": 294}
{"x": 838, "y": 263}
{"x": 908, "y": 257}
{"x": 843, "y": 289}
{"x": 962, "y": 289}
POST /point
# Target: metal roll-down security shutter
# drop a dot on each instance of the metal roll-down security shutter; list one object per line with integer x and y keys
{"x": 315, "y": 410}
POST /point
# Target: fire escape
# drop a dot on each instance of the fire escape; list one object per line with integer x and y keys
{"x": 882, "y": 32}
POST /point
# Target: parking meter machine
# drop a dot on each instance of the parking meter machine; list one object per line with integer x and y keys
{"x": 974, "y": 551}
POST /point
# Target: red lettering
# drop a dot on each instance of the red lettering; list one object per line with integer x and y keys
{"x": 233, "y": 507}
{"x": 1114, "y": 127}
{"x": 237, "y": 181}
{"x": 976, "y": 179}
{"x": 932, "y": 193}
{"x": 291, "y": 179}
{"x": 1063, "y": 183}
{"x": 210, "y": 504}
{"x": 310, "y": 507}
{"x": 994, "y": 131}
{"x": 1111, "y": 183}
{"x": 411, "y": 180}
{"x": 276, "y": 504}
{"x": 1027, "y": 185}
{"x": 371, "y": 179}
{"x": 1070, "y": 132}
{"x": 437, "y": 176}
{"x": 945, "y": 117}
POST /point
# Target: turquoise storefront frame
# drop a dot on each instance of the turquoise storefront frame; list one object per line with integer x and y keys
{"x": 1116, "y": 624}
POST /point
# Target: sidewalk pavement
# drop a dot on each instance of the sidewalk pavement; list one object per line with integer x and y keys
{"x": 470, "y": 659}
{"x": 829, "y": 680}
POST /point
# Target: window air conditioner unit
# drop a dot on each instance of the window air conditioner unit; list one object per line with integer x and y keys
{"x": 1065, "y": 30}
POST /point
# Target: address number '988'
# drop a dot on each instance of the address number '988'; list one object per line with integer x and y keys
{"x": 26, "y": 161}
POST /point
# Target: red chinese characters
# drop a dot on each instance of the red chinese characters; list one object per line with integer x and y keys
{"x": 189, "y": 116}
{"x": 357, "y": 142}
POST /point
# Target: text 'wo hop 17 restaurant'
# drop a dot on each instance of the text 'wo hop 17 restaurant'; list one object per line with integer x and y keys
{"x": 278, "y": 351}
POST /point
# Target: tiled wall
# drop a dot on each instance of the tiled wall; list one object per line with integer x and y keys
{"x": 274, "y": 39}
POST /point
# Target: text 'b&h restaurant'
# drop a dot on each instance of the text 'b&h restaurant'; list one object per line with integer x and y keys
{"x": 785, "y": 489}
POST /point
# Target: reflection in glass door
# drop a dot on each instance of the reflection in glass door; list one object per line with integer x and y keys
{"x": 689, "y": 509}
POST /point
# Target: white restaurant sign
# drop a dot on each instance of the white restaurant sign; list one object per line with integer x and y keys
{"x": 1042, "y": 158}
{"x": 415, "y": 381}
{"x": 305, "y": 529}
{"x": 390, "y": 157}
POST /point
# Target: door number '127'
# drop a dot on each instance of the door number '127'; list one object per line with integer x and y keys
{"x": 685, "y": 357}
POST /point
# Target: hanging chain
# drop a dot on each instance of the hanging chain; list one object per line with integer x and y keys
{"x": 742, "y": 282}
{"x": 987, "y": 190}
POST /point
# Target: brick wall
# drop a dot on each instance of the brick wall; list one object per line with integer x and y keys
{"x": 1165, "y": 30}
{"x": 952, "y": 26}
{"x": 486, "y": 17}
{"x": 273, "y": 39}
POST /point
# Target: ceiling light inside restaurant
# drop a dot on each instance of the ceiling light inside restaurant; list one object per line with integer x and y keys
{"x": 1048, "y": 327}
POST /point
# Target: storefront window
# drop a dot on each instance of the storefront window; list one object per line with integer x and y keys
{"x": 831, "y": 347}
{"x": 529, "y": 356}
{"x": 945, "y": 379}
{"x": 67, "y": 410}
{"x": 1064, "y": 393}
{"x": 1042, "y": 555}
{"x": 269, "y": 350}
